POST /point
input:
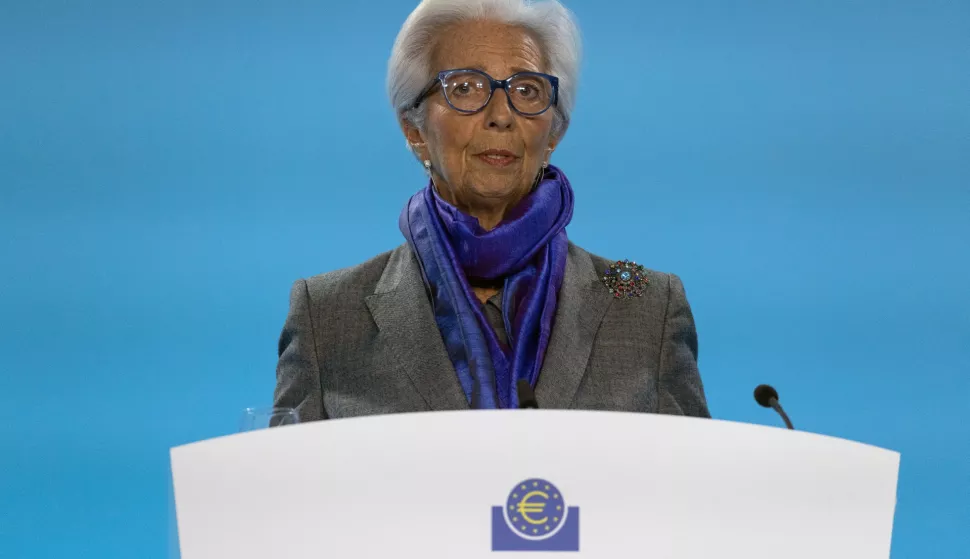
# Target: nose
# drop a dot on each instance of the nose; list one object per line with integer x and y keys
{"x": 498, "y": 113}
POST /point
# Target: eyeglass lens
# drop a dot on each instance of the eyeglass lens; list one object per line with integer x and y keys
{"x": 469, "y": 91}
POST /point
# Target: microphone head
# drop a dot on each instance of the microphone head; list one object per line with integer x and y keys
{"x": 763, "y": 395}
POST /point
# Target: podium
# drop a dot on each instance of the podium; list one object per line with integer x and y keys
{"x": 477, "y": 484}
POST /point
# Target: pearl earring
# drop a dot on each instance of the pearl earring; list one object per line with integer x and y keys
{"x": 427, "y": 166}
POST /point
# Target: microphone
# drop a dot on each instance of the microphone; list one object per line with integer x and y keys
{"x": 527, "y": 397}
{"x": 768, "y": 398}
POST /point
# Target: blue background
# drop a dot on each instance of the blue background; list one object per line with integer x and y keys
{"x": 167, "y": 169}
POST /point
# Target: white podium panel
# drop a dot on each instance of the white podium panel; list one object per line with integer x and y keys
{"x": 458, "y": 484}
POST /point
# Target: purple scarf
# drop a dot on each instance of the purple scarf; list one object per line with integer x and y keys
{"x": 528, "y": 250}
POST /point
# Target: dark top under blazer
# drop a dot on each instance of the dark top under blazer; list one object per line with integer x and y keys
{"x": 363, "y": 341}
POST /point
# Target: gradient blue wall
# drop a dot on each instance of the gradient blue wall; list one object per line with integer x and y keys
{"x": 167, "y": 169}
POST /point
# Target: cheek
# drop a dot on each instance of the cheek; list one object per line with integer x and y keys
{"x": 450, "y": 132}
{"x": 539, "y": 136}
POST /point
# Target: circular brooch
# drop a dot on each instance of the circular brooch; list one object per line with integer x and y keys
{"x": 625, "y": 279}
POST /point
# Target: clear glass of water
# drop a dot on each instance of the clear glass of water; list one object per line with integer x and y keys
{"x": 264, "y": 418}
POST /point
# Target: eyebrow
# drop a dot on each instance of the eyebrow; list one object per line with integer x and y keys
{"x": 515, "y": 69}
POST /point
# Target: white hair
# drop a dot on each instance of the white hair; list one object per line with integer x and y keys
{"x": 409, "y": 69}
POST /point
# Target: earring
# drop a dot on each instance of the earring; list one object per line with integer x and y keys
{"x": 545, "y": 164}
{"x": 427, "y": 166}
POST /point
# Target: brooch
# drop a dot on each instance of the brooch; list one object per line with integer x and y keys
{"x": 625, "y": 279}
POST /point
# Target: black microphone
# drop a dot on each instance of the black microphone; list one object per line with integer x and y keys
{"x": 527, "y": 397}
{"x": 768, "y": 397}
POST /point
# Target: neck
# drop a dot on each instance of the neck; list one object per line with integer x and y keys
{"x": 485, "y": 288}
{"x": 480, "y": 283}
{"x": 488, "y": 211}
{"x": 487, "y": 219}
{"x": 483, "y": 294}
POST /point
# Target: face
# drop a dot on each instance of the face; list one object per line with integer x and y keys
{"x": 489, "y": 160}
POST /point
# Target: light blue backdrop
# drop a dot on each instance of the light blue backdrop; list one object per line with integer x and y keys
{"x": 169, "y": 168}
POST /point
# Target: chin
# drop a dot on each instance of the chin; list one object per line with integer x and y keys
{"x": 493, "y": 187}
{"x": 494, "y": 191}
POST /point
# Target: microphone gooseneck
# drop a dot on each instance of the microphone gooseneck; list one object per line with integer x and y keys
{"x": 767, "y": 397}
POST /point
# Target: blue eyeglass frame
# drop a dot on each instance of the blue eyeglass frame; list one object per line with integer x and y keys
{"x": 493, "y": 84}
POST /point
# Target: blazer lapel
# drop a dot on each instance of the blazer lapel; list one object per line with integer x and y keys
{"x": 409, "y": 340}
{"x": 582, "y": 304}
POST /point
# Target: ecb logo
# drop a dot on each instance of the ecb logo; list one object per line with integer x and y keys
{"x": 535, "y": 518}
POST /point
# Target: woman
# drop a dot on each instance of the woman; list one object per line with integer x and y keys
{"x": 487, "y": 291}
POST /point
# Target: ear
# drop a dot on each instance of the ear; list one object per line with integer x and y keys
{"x": 553, "y": 143}
{"x": 554, "y": 138}
{"x": 414, "y": 137}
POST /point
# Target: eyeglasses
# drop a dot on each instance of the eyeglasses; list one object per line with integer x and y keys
{"x": 469, "y": 91}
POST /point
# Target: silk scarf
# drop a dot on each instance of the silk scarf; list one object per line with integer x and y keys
{"x": 526, "y": 252}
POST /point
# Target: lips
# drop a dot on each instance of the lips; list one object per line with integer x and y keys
{"x": 497, "y": 157}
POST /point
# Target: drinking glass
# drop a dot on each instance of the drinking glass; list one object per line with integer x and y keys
{"x": 264, "y": 418}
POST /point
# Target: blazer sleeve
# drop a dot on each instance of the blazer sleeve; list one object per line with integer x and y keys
{"x": 298, "y": 370}
{"x": 680, "y": 389}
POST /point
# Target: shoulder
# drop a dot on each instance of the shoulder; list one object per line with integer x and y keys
{"x": 354, "y": 282}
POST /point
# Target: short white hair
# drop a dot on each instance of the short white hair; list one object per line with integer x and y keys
{"x": 409, "y": 69}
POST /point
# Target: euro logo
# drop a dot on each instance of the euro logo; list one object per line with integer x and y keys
{"x": 535, "y": 518}
{"x": 525, "y": 507}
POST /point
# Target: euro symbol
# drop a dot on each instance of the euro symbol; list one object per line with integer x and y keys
{"x": 524, "y": 507}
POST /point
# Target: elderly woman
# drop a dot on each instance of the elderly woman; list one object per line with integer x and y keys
{"x": 487, "y": 291}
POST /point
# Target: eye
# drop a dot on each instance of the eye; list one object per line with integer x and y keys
{"x": 527, "y": 91}
{"x": 529, "y": 88}
{"x": 465, "y": 85}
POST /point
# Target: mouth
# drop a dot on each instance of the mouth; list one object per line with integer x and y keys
{"x": 497, "y": 157}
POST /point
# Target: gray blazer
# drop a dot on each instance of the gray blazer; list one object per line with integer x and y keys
{"x": 363, "y": 340}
